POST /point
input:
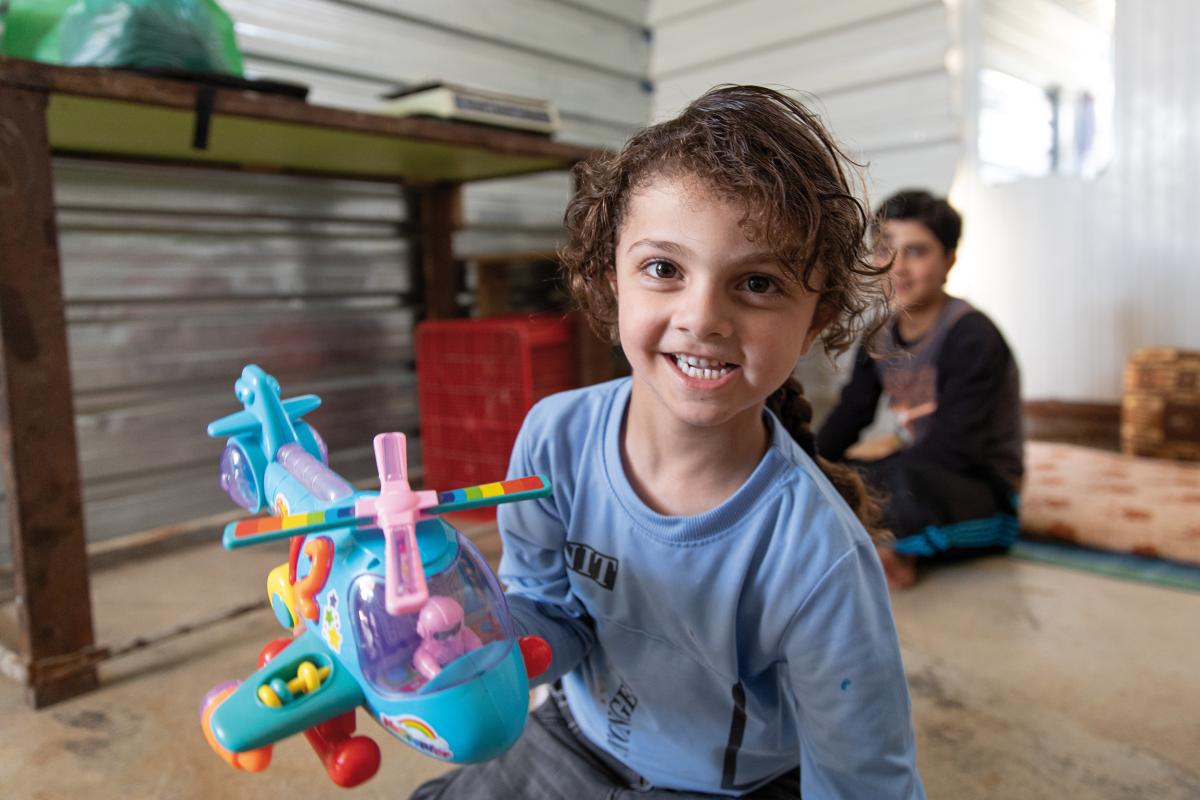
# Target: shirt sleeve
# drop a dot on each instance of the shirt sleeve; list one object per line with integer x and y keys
{"x": 855, "y": 719}
{"x": 972, "y": 369}
{"x": 533, "y": 568}
{"x": 855, "y": 410}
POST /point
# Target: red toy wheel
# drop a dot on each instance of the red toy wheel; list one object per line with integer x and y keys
{"x": 537, "y": 655}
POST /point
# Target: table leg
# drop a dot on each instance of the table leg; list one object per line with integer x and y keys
{"x": 439, "y": 212}
{"x": 37, "y": 418}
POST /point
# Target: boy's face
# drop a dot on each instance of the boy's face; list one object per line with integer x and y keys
{"x": 921, "y": 264}
{"x": 709, "y": 321}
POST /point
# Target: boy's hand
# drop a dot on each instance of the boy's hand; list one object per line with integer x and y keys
{"x": 901, "y": 571}
{"x": 874, "y": 449}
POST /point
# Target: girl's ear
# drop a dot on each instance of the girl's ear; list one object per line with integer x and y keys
{"x": 824, "y": 314}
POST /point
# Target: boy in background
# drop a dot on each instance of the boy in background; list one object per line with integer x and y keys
{"x": 950, "y": 473}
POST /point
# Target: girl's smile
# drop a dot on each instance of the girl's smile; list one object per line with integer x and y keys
{"x": 702, "y": 373}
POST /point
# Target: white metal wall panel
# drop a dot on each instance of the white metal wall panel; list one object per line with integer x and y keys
{"x": 660, "y": 11}
{"x": 725, "y": 31}
{"x": 895, "y": 46}
{"x": 1081, "y": 273}
{"x": 892, "y": 115}
{"x": 1158, "y": 171}
{"x": 603, "y": 41}
{"x": 875, "y": 70}
{"x": 1027, "y": 39}
{"x": 663, "y": 11}
{"x": 911, "y": 167}
{"x": 632, "y": 12}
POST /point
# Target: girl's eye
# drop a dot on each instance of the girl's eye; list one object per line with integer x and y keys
{"x": 759, "y": 284}
{"x": 662, "y": 269}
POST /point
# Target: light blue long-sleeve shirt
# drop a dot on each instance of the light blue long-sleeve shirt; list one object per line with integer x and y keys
{"x": 715, "y": 652}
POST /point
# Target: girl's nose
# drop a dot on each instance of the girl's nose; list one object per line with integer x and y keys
{"x": 705, "y": 313}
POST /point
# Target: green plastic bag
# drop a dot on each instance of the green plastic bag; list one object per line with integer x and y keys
{"x": 188, "y": 35}
{"x": 31, "y": 27}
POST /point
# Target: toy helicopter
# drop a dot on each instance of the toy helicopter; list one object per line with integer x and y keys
{"x": 391, "y": 608}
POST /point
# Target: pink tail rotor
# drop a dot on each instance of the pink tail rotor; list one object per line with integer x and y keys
{"x": 391, "y": 459}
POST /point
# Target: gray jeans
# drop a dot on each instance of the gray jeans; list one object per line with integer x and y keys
{"x": 553, "y": 761}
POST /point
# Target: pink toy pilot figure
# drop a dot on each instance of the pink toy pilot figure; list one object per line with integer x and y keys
{"x": 445, "y": 636}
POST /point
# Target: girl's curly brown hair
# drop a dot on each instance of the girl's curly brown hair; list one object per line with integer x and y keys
{"x": 774, "y": 157}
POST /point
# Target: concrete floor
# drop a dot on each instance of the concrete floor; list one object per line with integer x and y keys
{"x": 1028, "y": 682}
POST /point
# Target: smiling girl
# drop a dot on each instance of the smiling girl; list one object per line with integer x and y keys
{"x": 718, "y": 615}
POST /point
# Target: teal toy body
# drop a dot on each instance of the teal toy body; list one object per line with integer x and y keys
{"x": 390, "y": 607}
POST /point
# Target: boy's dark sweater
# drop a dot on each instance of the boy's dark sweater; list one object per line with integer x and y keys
{"x": 976, "y": 429}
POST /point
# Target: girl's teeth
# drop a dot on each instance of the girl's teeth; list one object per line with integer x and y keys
{"x": 701, "y": 368}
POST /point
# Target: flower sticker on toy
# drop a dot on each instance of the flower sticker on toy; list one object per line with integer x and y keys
{"x": 331, "y": 622}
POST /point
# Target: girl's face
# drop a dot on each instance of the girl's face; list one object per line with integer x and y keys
{"x": 709, "y": 320}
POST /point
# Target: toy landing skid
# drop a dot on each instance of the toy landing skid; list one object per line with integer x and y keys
{"x": 395, "y": 511}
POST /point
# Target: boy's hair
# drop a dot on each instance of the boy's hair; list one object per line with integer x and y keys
{"x": 920, "y": 206}
{"x": 772, "y": 155}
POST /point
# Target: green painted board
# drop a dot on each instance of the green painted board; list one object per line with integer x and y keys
{"x": 103, "y": 126}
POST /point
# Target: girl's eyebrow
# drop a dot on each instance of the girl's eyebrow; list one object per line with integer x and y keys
{"x": 759, "y": 257}
{"x": 660, "y": 244}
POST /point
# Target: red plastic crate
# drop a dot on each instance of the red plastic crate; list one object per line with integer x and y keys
{"x": 476, "y": 379}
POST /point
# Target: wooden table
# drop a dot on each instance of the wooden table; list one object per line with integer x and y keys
{"x": 109, "y": 114}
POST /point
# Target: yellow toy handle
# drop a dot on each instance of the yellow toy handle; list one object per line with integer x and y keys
{"x": 282, "y": 598}
{"x": 308, "y": 679}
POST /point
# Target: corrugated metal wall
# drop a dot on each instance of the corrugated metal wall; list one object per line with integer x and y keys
{"x": 874, "y": 69}
{"x": 1080, "y": 273}
{"x": 175, "y": 278}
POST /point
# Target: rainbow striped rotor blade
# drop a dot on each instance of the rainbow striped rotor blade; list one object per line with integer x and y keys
{"x": 491, "y": 494}
{"x": 405, "y": 590}
{"x": 258, "y": 530}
